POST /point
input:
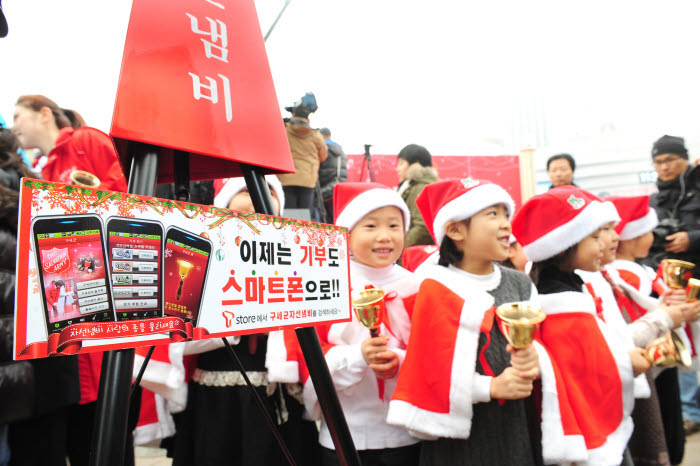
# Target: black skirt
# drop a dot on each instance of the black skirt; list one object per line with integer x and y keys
{"x": 223, "y": 425}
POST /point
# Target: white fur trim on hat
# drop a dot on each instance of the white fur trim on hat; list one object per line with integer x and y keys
{"x": 233, "y": 186}
{"x": 639, "y": 227}
{"x": 592, "y": 217}
{"x": 368, "y": 201}
{"x": 469, "y": 203}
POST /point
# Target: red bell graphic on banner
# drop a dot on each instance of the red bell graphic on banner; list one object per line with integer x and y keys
{"x": 195, "y": 78}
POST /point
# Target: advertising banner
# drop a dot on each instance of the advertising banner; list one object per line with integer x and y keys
{"x": 100, "y": 270}
{"x": 501, "y": 169}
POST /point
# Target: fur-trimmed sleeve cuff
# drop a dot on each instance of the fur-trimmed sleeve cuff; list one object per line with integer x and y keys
{"x": 481, "y": 388}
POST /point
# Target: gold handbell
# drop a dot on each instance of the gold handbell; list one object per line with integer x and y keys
{"x": 693, "y": 289}
{"x": 676, "y": 273}
{"x": 370, "y": 309}
{"x": 183, "y": 269}
{"x": 83, "y": 178}
{"x": 518, "y": 322}
{"x": 668, "y": 350}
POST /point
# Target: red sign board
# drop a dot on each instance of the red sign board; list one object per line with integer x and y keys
{"x": 503, "y": 170}
{"x": 195, "y": 78}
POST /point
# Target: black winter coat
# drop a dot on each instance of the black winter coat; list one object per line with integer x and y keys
{"x": 27, "y": 388}
{"x": 333, "y": 170}
{"x": 678, "y": 199}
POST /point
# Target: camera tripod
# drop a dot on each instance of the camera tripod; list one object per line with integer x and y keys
{"x": 367, "y": 161}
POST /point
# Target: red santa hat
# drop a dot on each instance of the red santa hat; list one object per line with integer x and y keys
{"x": 552, "y": 222}
{"x": 352, "y": 201}
{"x": 637, "y": 218}
{"x": 225, "y": 189}
{"x": 453, "y": 200}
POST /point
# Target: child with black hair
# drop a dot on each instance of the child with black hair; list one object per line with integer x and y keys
{"x": 470, "y": 393}
{"x": 658, "y": 435}
{"x": 363, "y": 367}
{"x": 561, "y": 232}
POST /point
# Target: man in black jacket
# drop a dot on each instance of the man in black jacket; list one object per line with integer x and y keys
{"x": 677, "y": 204}
{"x": 332, "y": 171}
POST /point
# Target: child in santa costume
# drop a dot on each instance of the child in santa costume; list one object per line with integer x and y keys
{"x": 222, "y": 424}
{"x": 649, "y": 319}
{"x": 458, "y": 372}
{"x": 364, "y": 368}
{"x": 561, "y": 232}
{"x": 647, "y": 444}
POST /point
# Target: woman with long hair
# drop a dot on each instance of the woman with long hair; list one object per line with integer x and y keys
{"x": 69, "y": 145}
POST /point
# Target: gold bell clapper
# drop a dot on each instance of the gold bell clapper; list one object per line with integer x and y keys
{"x": 183, "y": 269}
{"x": 676, "y": 273}
{"x": 519, "y": 321}
{"x": 370, "y": 309}
{"x": 83, "y": 178}
{"x": 667, "y": 351}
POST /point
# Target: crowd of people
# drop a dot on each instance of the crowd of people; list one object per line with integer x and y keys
{"x": 440, "y": 384}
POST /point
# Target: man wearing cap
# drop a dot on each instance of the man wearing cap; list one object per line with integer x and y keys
{"x": 677, "y": 204}
{"x": 677, "y": 236}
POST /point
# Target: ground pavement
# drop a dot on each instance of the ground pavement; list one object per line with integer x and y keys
{"x": 150, "y": 456}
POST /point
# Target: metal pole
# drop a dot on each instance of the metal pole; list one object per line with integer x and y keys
{"x": 181, "y": 173}
{"x": 112, "y": 411}
{"x": 269, "y": 31}
{"x": 309, "y": 342}
{"x": 137, "y": 382}
{"x": 261, "y": 406}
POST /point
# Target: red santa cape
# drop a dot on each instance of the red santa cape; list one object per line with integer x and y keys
{"x": 584, "y": 416}
{"x": 164, "y": 391}
{"x": 596, "y": 371}
{"x": 610, "y": 298}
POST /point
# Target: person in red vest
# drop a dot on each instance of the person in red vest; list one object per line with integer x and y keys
{"x": 69, "y": 145}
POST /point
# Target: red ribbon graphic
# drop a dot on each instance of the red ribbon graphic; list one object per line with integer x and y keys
{"x": 70, "y": 339}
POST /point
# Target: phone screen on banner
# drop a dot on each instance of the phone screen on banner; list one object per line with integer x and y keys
{"x": 74, "y": 278}
{"x": 184, "y": 281}
{"x": 136, "y": 274}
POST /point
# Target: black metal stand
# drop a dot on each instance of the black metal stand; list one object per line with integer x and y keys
{"x": 261, "y": 406}
{"x": 137, "y": 382}
{"x": 181, "y": 171}
{"x": 367, "y": 162}
{"x": 320, "y": 203}
{"x": 309, "y": 342}
{"x": 112, "y": 410}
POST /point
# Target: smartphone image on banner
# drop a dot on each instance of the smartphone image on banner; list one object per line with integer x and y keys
{"x": 70, "y": 257}
{"x": 186, "y": 263}
{"x": 135, "y": 251}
